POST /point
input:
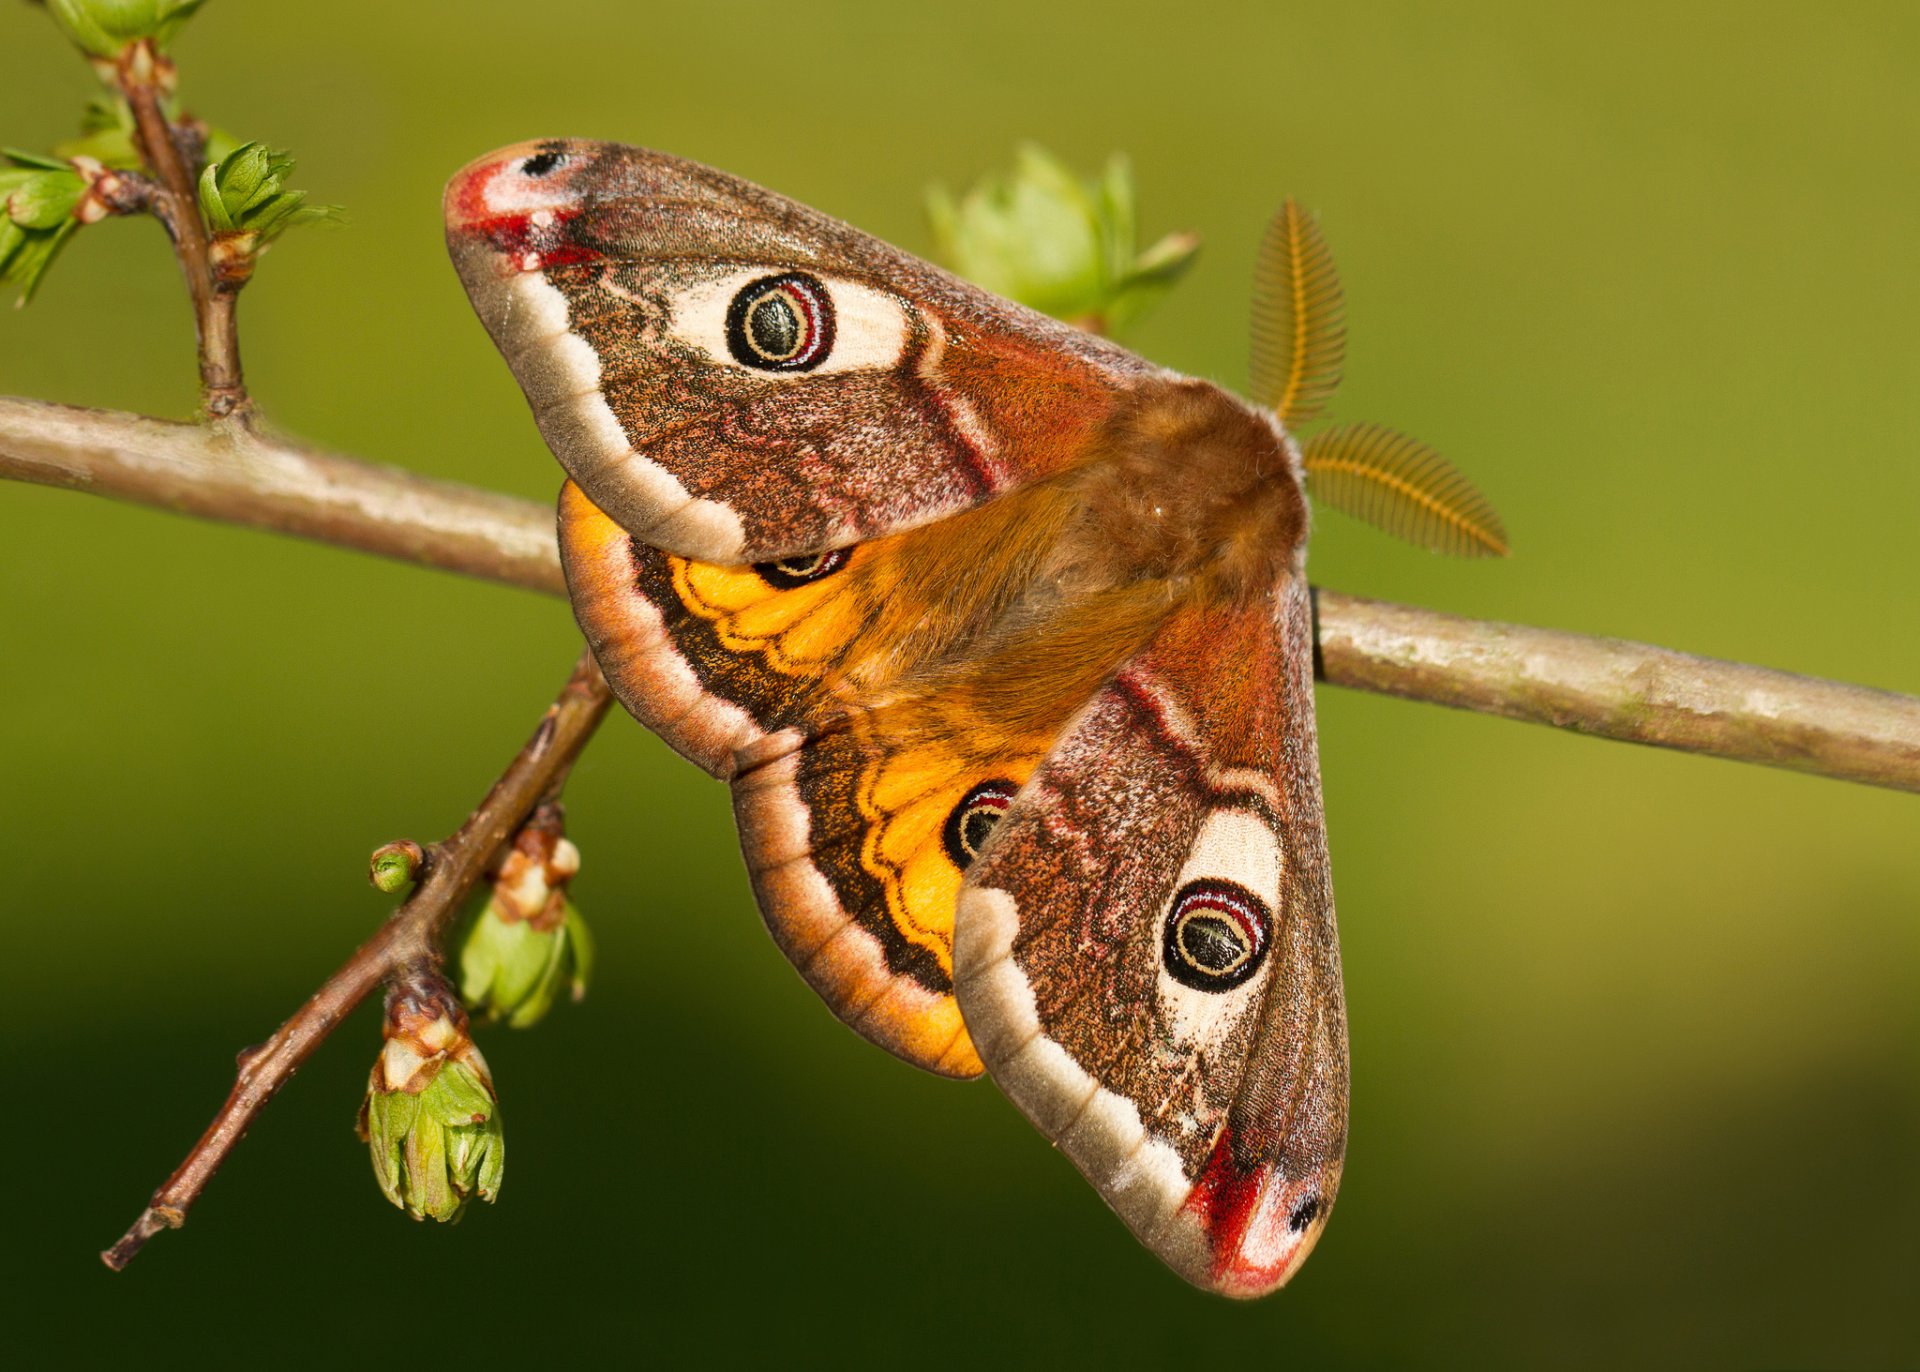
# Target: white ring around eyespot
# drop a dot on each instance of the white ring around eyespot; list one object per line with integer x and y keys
{"x": 870, "y": 328}
{"x": 1237, "y": 846}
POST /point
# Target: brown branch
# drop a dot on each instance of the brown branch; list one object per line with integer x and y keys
{"x": 1612, "y": 688}
{"x": 144, "y": 75}
{"x": 408, "y": 940}
{"x": 1604, "y": 687}
{"x": 240, "y": 476}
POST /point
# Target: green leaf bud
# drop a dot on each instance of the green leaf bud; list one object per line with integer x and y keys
{"x": 396, "y": 866}
{"x": 529, "y": 941}
{"x": 244, "y": 198}
{"x": 1045, "y": 237}
{"x": 431, "y": 1118}
{"x": 106, "y": 28}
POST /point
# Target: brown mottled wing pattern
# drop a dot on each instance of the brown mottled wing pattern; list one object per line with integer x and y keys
{"x": 1146, "y": 953}
{"x": 611, "y": 279}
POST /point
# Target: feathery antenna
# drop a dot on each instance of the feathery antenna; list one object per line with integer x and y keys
{"x": 1401, "y": 485}
{"x": 1299, "y": 323}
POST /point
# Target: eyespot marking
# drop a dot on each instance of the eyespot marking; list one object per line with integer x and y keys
{"x": 781, "y": 323}
{"x": 1217, "y": 934}
{"x": 542, "y": 163}
{"x": 790, "y": 572}
{"x": 974, "y": 818}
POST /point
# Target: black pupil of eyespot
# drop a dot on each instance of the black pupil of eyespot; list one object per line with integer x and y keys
{"x": 975, "y": 828}
{"x": 540, "y": 163}
{"x": 1303, "y": 1214}
{"x": 1213, "y": 942}
{"x": 1216, "y": 935}
{"x": 775, "y": 325}
{"x": 781, "y": 323}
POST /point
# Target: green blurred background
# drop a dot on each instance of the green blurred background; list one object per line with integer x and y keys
{"x": 1635, "y": 1035}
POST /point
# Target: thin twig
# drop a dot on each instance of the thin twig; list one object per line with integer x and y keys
{"x": 409, "y": 939}
{"x": 1605, "y": 687}
{"x": 141, "y": 74}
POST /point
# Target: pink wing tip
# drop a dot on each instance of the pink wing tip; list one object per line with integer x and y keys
{"x": 516, "y": 202}
{"x": 1259, "y": 1225}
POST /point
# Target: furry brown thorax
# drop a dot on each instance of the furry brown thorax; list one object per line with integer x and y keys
{"x": 1187, "y": 484}
{"x": 1019, "y": 610}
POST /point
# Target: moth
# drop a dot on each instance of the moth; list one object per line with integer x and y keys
{"x": 1001, "y": 636}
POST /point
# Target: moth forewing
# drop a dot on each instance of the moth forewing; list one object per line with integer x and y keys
{"x": 843, "y": 391}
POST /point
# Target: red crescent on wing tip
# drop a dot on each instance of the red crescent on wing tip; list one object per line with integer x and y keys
{"x": 463, "y": 203}
{"x": 1245, "y": 1215}
{"x": 528, "y": 232}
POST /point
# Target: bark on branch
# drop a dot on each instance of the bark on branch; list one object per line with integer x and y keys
{"x": 1605, "y": 687}
{"x": 237, "y": 475}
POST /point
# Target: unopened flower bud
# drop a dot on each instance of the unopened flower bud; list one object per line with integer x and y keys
{"x": 431, "y": 1118}
{"x": 529, "y": 941}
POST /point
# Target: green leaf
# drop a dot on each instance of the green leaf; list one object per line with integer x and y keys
{"x": 525, "y": 954}
{"x": 456, "y": 1096}
{"x": 581, "y": 939}
{"x": 427, "y": 1187}
{"x": 43, "y": 199}
{"x": 36, "y": 161}
{"x": 492, "y": 1167}
{"x": 106, "y": 135}
{"x": 77, "y": 19}
{"x": 389, "y": 1117}
{"x": 238, "y": 178}
{"x": 25, "y": 254}
{"x": 479, "y": 963}
{"x": 400, "y": 1109}
{"x": 173, "y": 17}
{"x": 37, "y": 200}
